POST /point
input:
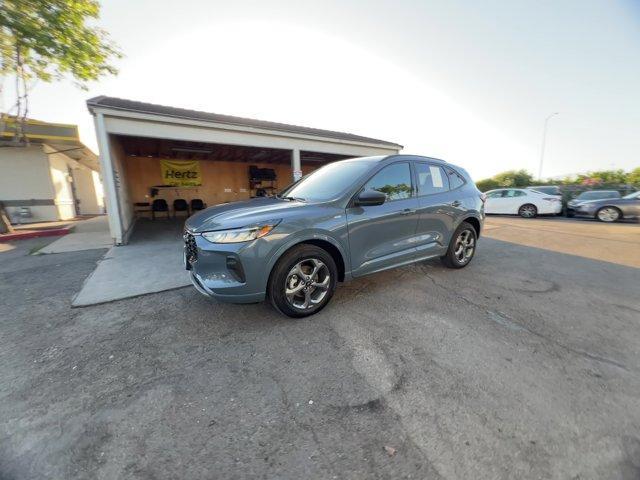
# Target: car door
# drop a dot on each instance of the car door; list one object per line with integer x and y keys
{"x": 630, "y": 207}
{"x": 514, "y": 199}
{"x": 436, "y": 218}
{"x": 495, "y": 202}
{"x": 382, "y": 236}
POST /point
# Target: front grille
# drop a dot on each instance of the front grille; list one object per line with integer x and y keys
{"x": 191, "y": 248}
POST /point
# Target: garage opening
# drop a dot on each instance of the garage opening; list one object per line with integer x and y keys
{"x": 171, "y": 179}
{"x": 186, "y": 159}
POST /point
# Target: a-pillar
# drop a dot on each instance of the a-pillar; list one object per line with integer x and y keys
{"x": 296, "y": 165}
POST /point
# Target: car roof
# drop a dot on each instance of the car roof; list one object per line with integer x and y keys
{"x": 405, "y": 156}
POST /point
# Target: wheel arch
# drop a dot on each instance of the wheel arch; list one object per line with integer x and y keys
{"x": 475, "y": 223}
{"x": 326, "y": 242}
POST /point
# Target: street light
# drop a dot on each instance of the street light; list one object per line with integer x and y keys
{"x": 544, "y": 141}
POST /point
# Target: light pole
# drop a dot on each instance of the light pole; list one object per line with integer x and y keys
{"x": 544, "y": 141}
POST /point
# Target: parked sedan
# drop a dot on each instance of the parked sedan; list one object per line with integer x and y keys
{"x": 611, "y": 209}
{"x": 521, "y": 201}
{"x": 589, "y": 196}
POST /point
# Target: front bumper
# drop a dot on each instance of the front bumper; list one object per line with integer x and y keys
{"x": 581, "y": 211}
{"x": 227, "y": 272}
{"x": 229, "y": 298}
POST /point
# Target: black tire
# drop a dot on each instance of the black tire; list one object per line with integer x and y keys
{"x": 570, "y": 214}
{"x": 608, "y": 214}
{"x": 453, "y": 258}
{"x": 528, "y": 210}
{"x": 306, "y": 258}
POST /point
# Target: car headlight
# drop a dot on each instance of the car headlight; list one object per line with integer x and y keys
{"x": 238, "y": 235}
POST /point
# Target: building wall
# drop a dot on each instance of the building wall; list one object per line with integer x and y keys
{"x": 24, "y": 175}
{"x": 60, "y": 170}
{"x": 88, "y": 190}
{"x": 217, "y": 177}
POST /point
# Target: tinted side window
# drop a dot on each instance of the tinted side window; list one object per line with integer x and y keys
{"x": 431, "y": 179}
{"x": 496, "y": 194}
{"x": 394, "y": 180}
{"x": 455, "y": 180}
{"x": 515, "y": 193}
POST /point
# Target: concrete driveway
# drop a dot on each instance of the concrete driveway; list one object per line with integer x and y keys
{"x": 523, "y": 365}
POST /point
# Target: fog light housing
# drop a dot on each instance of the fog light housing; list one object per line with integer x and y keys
{"x": 235, "y": 268}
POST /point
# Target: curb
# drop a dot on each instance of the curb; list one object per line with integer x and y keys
{"x": 51, "y": 232}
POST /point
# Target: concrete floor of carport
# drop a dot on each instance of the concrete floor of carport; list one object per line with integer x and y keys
{"x": 151, "y": 262}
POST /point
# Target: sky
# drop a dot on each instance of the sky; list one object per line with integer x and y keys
{"x": 469, "y": 81}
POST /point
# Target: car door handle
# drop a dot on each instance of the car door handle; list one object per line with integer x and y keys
{"x": 407, "y": 211}
{"x": 456, "y": 203}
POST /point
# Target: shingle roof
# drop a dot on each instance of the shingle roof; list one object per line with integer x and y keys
{"x": 150, "y": 108}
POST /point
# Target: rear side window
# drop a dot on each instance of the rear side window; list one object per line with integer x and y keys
{"x": 515, "y": 193}
{"x": 393, "y": 180}
{"x": 496, "y": 194}
{"x": 431, "y": 179}
{"x": 455, "y": 179}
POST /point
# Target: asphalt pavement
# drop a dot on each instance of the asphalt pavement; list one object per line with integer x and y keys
{"x": 523, "y": 365}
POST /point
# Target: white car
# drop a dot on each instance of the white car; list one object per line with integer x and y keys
{"x": 521, "y": 201}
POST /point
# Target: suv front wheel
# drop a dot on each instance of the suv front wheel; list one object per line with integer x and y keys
{"x": 302, "y": 281}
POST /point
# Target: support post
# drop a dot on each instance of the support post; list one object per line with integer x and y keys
{"x": 296, "y": 165}
{"x": 110, "y": 188}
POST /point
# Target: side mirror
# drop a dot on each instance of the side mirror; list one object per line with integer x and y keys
{"x": 369, "y": 198}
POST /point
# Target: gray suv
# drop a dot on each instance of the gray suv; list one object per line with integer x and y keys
{"x": 347, "y": 219}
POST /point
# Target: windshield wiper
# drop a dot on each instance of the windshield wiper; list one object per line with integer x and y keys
{"x": 285, "y": 197}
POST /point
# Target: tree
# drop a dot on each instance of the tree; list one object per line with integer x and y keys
{"x": 634, "y": 177}
{"x": 49, "y": 40}
{"x": 511, "y": 178}
{"x": 514, "y": 178}
{"x": 487, "y": 184}
{"x": 603, "y": 176}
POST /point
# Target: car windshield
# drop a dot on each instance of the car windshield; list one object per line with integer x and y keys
{"x": 596, "y": 195}
{"x": 632, "y": 195}
{"x": 328, "y": 182}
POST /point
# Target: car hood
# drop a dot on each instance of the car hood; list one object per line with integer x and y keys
{"x": 241, "y": 214}
{"x": 592, "y": 202}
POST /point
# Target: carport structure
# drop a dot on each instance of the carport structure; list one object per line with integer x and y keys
{"x": 134, "y": 137}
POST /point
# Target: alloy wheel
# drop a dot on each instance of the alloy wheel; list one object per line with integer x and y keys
{"x": 307, "y": 284}
{"x": 608, "y": 214}
{"x": 464, "y": 247}
{"x": 528, "y": 211}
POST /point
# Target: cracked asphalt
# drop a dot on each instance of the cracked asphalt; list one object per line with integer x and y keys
{"x": 524, "y": 365}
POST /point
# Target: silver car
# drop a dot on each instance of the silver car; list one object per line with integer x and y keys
{"x": 347, "y": 219}
{"x": 611, "y": 209}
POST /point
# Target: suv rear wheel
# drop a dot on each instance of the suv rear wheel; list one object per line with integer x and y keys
{"x": 462, "y": 247}
{"x": 303, "y": 281}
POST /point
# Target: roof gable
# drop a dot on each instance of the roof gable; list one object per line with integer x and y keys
{"x": 161, "y": 110}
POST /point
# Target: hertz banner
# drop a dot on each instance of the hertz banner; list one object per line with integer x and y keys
{"x": 181, "y": 173}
